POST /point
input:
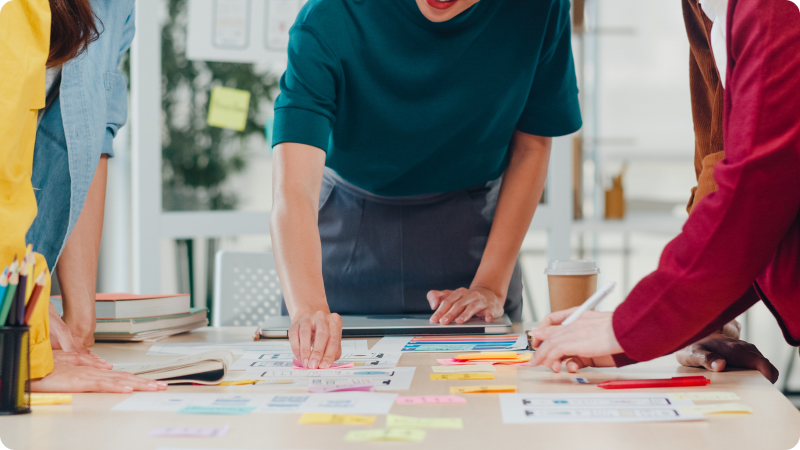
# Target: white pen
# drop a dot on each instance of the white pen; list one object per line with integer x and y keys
{"x": 591, "y": 302}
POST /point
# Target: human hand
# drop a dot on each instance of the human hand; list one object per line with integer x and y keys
{"x": 718, "y": 351}
{"x": 68, "y": 378}
{"x": 589, "y": 341}
{"x": 462, "y": 304}
{"x": 61, "y": 337}
{"x": 81, "y": 359}
{"x": 316, "y": 338}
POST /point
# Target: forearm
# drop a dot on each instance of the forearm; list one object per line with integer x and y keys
{"x": 77, "y": 266}
{"x": 293, "y": 227}
{"x": 523, "y": 184}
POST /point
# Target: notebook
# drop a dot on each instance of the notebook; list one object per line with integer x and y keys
{"x": 133, "y": 306}
{"x": 204, "y": 368}
{"x": 149, "y": 335}
{"x": 143, "y": 324}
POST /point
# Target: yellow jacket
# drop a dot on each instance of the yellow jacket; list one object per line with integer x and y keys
{"x": 24, "y": 47}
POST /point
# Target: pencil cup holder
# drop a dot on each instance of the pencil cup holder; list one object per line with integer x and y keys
{"x": 15, "y": 371}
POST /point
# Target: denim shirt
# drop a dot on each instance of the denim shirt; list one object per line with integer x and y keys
{"x": 78, "y": 127}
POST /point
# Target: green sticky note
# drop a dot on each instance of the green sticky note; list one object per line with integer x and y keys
{"x": 395, "y": 421}
{"x": 444, "y": 347}
{"x": 228, "y": 108}
{"x": 234, "y": 410}
{"x": 392, "y": 434}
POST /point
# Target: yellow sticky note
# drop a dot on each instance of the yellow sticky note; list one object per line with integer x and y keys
{"x": 50, "y": 399}
{"x": 720, "y": 408}
{"x": 705, "y": 396}
{"x": 238, "y": 382}
{"x": 461, "y": 369}
{"x": 335, "y": 419}
{"x": 390, "y": 434}
{"x": 488, "y": 389}
{"x": 488, "y": 355}
{"x": 228, "y": 108}
{"x": 462, "y": 376}
{"x": 395, "y": 421}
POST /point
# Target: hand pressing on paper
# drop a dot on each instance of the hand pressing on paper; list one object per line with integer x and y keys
{"x": 589, "y": 341}
{"x": 68, "y": 378}
{"x": 316, "y": 338}
{"x": 718, "y": 351}
{"x": 462, "y": 304}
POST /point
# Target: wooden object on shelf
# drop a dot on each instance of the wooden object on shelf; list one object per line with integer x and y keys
{"x": 577, "y": 177}
{"x": 615, "y": 197}
{"x": 577, "y": 15}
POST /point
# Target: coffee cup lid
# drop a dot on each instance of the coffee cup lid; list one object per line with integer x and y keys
{"x": 572, "y": 267}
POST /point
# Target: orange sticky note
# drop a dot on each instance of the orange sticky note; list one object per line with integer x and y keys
{"x": 488, "y": 389}
{"x": 488, "y": 355}
{"x": 462, "y": 376}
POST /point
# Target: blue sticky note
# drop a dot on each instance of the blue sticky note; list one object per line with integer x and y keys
{"x": 443, "y": 347}
{"x": 235, "y": 410}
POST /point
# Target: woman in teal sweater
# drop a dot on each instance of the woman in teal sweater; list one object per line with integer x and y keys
{"x": 411, "y": 144}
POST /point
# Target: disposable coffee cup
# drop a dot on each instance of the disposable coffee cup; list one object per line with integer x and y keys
{"x": 571, "y": 282}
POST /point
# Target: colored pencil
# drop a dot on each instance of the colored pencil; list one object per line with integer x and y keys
{"x": 19, "y": 303}
{"x": 13, "y": 281}
{"x": 3, "y": 286}
{"x": 31, "y": 261}
{"x": 37, "y": 292}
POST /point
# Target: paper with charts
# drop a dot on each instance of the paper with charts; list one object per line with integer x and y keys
{"x": 593, "y": 408}
{"x": 462, "y": 343}
{"x": 283, "y": 360}
{"x": 333, "y": 403}
{"x": 395, "y": 379}
{"x": 238, "y": 348}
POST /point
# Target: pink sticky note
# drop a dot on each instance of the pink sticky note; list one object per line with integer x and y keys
{"x": 198, "y": 432}
{"x": 321, "y": 389}
{"x": 429, "y": 399}
{"x": 298, "y": 366}
{"x": 452, "y": 362}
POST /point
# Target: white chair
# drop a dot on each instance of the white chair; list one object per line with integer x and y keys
{"x": 246, "y": 289}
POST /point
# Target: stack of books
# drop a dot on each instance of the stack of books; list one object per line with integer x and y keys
{"x": 132, "y": 317}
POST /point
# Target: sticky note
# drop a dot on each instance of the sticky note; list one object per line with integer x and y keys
{"x": 488, "y": 355}
{"x": 444, "y": 347}
{"x": 488, "y": 389}
{"x": 228, "y": 108}
{"x": 429, "y": 399}
{"x": 321, "y": 389}
{"x": 719, "y": 408}
{"x": 50, "y": 399}
{"x": 238, "y": 382}
{"x": 389, "y": 434}
{"x": 469, "y": 368}
{"x": 197, "y": 432}
{"x": 395, "y": 421}
{"x": 335, "y": 419}
{"x": 707, "y": 396}
{"x": 234, "y": 410}
{"x": 462, "y": 376}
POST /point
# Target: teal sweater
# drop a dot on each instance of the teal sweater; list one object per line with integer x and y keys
{"x": 406, "y": 106}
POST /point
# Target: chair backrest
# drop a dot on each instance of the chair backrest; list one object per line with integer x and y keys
{"x": 246, "y": 288}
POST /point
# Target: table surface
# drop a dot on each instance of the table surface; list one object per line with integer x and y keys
{"x": 88, "y": 422}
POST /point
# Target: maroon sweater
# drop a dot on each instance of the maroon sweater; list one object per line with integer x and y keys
{"x": 742, "y": 242}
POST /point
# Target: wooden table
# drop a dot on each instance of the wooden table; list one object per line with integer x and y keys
{"x": 88, "y": 422}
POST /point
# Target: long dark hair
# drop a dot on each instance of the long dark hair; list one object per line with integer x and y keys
{"x": 72, "y": 29}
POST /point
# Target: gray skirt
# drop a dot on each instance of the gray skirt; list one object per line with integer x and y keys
{"x": 381, "y": 255}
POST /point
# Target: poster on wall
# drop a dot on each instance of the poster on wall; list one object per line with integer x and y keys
{"x": 245, "y": 31}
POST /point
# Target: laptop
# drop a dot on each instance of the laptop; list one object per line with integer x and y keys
{"x": 389, "y": 324}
